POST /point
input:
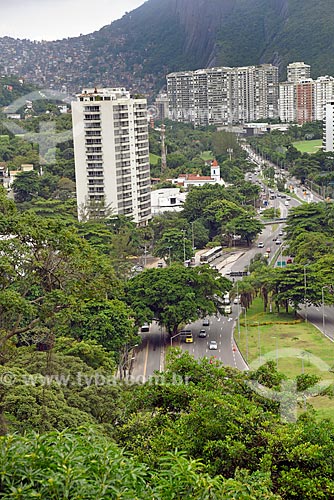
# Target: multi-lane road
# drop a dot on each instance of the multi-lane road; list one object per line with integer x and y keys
{"x": 150, "y": 355}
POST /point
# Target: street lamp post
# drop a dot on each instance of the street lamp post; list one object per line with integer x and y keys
{"x": 238, "y": 319}
{"x": 246, "y": 331}
{"x": 173, "y": 337}
{"x": 305, "y": 307}
{"x": 192, "y": 237}
{"x": 323, "y": 309}
{"x": 276, "y": 351}
{"x": 259, "y": 339}
{"x": 184, "y": 245}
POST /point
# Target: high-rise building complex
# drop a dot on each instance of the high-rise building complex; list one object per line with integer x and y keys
{"x": 328, "y": 130}
{"x": 111, "y": 152}
{"x": 223, "y": 95}
{"x": 304, "y": 100}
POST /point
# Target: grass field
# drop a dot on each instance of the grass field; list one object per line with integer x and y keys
{"x": 308, "y": 146}
{"x": 206, "y": 155}
{"x": 295, "y": 346}
{"x": 154, "y": 159}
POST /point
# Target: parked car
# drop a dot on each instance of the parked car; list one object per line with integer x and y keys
{"x": 213, "y": 345}
{"x": 289, "y": 261}
{"x": 202, "y": 333}
{"x": 160, "y": 264}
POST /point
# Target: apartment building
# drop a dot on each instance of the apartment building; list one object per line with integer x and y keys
{"x": 287, "y": 104}
{"x": 224, "y": 95}
{"x": 111, "y": 153}
{"x": 323, "y": 93}
{"x": 328, "y": 129}
{"x": 305, "y": 100}
{"x": 297, "y": 71}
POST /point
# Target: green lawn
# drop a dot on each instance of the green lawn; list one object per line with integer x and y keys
{"x": 206, "y": 155}
{"x": 272, "y": 334}
{"x": 297, "y": 347}
{"x": 154, "y": 159}
{"x": 308, "y": 146}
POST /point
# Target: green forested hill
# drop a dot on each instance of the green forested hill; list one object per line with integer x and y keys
{"x": 161, "y": 36}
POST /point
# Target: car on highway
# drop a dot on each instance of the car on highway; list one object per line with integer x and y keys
{"x": 278, "y": 242}
{"x": 202, "y": 333}
{"x": 288, "y": 198}
{"x": 236, "y": 300}
{"x": 227, "y": 309}
{"x": 260, "y": 244}
{"x": 213, "y": 345}
{"x": 266, "y": 255}
{"x": 286, "y": 203}
{"x": 268, "y": 250}
{"x": 280, "y": 233}
{"x": 206, "y": 322}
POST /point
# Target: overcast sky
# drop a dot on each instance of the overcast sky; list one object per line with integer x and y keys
{"x": 55, "y": 19}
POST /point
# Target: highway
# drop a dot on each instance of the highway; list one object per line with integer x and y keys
{"x": 149, "y": 356}
{"x": 220, "y": 330}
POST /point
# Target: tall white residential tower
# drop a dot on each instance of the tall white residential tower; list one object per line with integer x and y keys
{"x": 328, "y": 130}
{"x": 111, "y": 152}
{"x": 297, "y": 71}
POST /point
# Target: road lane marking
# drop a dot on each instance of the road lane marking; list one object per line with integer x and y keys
{"x": 146, "y": 358}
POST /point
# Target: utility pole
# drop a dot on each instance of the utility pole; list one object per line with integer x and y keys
{"x": 192, "y": 237}
{"x": 163, "y": 149}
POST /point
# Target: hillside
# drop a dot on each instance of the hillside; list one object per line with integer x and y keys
{"x": 168, "y": 35}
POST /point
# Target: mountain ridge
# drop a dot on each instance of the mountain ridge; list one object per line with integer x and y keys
{"x": 162, "y": 36}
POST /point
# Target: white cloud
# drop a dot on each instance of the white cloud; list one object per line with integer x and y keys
{"x": 55, "y": 19}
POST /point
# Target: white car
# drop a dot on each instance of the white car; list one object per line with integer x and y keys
{"x": 260, "y": 244}
{"x": 227, "y": 309}
{"x": 213, "y": 345}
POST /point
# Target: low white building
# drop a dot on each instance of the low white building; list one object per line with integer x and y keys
{"x": 167, "y": 200}
{"x": 188, "y": 180}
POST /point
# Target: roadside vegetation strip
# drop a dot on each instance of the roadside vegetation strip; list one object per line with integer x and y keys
{"x": 269, "y": 332}
{"x": 310, "y": 147}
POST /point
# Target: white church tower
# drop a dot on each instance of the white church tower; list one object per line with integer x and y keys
{"x": 215, "y": 171}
